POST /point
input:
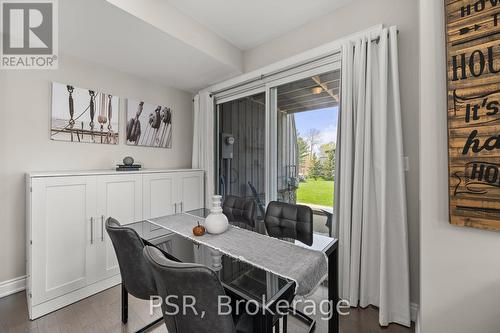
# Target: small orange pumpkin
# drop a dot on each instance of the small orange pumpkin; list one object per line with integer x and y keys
{"x": 199, "y": 230}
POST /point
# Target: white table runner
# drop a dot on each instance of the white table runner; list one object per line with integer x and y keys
{"x": 308, "y": 268}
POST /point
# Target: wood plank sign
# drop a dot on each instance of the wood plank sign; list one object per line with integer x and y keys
{"x": 473, "y": 68}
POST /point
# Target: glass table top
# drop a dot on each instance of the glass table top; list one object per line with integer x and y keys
{"x": 239, "y": 278}
{"x": 242, "y": 279}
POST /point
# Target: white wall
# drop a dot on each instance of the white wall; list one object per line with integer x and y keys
{"x": 25, "y": 107}
{"x": 360, "y": 15}
{"x": 460, "y": 267}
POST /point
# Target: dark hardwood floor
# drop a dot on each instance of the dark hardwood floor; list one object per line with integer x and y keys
{"x": 101, "y": 313}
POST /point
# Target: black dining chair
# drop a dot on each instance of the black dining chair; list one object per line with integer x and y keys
{"x": 240, "y": 212}
{"x": 289, "y": 221}
{"x": 137, "y": 276}
{"x": 177, "y": 280}
{"x": 284, "y": 220}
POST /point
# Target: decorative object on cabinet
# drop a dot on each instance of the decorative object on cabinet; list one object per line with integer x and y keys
{"x": 148, "y": 125}
{"x": 74, "y": 114}
{"x": 128, "y": 165}
{"x": 216, "y": 222}
{"x": 133, "y": 167}
{"x": 128, "y": 160}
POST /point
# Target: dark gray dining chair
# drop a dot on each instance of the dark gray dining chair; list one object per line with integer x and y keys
{"x": 240, "y": 212}
{"x": 284, "y": 220}
{"x": 176, "y": 280}
{"x": 137, "y": 276}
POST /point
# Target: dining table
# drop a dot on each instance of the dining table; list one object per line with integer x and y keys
{"x": 243, "y": 280}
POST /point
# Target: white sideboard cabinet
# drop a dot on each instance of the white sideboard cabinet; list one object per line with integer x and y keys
{"x": 69, "y": 254}
{"x": 165, "y": 194}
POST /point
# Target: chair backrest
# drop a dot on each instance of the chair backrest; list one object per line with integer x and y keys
{"x": 137, "y": 276}
{"x": 178, "y": 280}
{"x": 240, "y": 212}
{"x": 284, "y": 220}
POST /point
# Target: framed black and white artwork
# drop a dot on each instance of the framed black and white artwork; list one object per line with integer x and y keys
{"x": 83, "y": 115}
{"x": 148, "y": 125}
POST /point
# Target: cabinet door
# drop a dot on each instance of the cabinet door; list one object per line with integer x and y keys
{"x": 120, "y": 197}
{"x": 190, "y": 191}
{"x": 158, "y": 200}
{"x": 62, "y": 220}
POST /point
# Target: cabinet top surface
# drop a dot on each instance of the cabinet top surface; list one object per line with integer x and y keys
{"x": 101, "y": 172}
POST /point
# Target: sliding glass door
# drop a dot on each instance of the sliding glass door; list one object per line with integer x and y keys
{"x": 242, "y": 141}
{"x": 306, "y": 116}
{"x": 278, "y": 141}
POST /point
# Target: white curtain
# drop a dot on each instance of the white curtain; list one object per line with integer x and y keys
{"x": 203, "y": 141}
{"x": 371, "y": 201}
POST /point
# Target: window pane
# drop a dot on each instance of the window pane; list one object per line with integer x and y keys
{"x": 242, "y": 148}
{"x": 307, "y": 118}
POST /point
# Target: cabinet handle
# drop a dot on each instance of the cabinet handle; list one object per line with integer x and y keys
{"x": 91, "y": 230}
{"x": 175, "y": 208}
{"x": 102, "y": 228}
{"x": 182, "y": 207}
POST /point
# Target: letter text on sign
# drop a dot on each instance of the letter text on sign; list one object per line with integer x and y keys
{"x": 473, "y": 73}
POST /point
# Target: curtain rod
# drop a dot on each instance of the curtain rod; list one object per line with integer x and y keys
{"x": 377, "y": 39}
{"x": 263, "y": 76}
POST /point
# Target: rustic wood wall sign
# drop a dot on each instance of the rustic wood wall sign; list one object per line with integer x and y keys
{"x": 473, "y": 58}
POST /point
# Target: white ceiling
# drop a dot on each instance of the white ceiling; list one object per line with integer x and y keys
{"x": 186, "y": 44}
{"x": 96, "y": 31}
{"x": 248, "y": 23}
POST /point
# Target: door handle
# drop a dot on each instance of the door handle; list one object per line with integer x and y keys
{"x": 102, "y": 228}
{"x": 91, "y": 230}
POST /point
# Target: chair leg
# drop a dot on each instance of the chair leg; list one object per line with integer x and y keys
{"x": 311, "y": 323}
{"x": 285, "y": 324}
{"x": 125, "y": 312}
{"x": 277, "y": 326}
{"x": 150, "y": 325}
{"x": 124, "y": 305}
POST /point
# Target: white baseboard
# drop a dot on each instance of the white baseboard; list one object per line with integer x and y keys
{"x": 41, "y": 309}
{"x": 12, "y": 286}
{"x": 414, "y": 312}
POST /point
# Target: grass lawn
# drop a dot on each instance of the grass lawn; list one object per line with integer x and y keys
{"x": 317, "y": 192}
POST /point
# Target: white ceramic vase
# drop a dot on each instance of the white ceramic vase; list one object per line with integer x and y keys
{"x": 216, "y": 222}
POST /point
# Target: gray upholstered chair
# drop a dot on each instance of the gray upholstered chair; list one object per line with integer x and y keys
{"x": 136, "y": 273}
{"x": 240, "y": 212}
{"x": 284, "y": 220}
{"x": 177, "y": 280}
